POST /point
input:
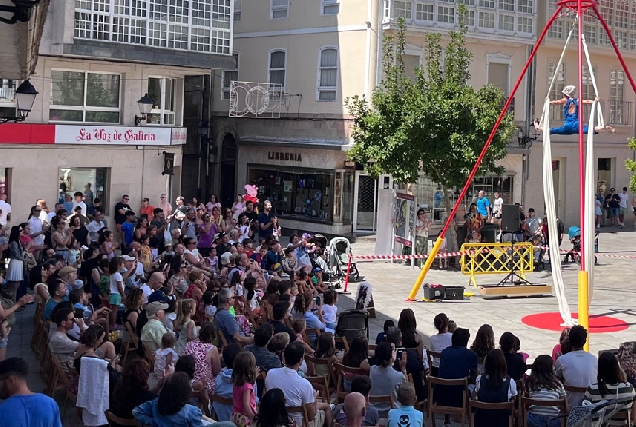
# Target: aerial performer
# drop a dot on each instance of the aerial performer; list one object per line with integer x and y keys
{"x": 571, "y": 115}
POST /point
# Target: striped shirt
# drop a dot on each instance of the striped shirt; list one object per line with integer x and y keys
{"x": 614, "y": 391}
{"x": 545, "y": 394}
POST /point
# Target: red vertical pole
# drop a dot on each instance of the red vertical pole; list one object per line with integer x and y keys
{"x": 346, "y": 286}
{"x": 579, "y": 13}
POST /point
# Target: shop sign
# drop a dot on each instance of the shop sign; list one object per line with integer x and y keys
{"x": 114, "y": 135}
{"x": 179, "y": 136}
{"x": 282, "y": 155}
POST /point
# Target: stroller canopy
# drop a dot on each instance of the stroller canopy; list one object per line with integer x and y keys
{"x": 574, "y": 231}
{"x": 339, "y": 251}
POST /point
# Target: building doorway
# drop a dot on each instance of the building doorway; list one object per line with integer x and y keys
{"x": 365, "y": 206}
{"x": 228, "y": 170}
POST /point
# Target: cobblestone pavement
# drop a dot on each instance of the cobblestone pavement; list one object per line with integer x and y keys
{"x": 614, "y": 295}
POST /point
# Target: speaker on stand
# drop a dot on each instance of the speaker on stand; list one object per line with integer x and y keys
{"x": 510, "y": 219}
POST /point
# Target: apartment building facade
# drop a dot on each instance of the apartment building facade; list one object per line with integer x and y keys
{"x": 500, "y": 36}
{"x": 617, "y": 103}
{"x": 283, "y": 124}
{"x": 87, "y": 133}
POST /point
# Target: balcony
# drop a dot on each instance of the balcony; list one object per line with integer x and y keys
{"x": 503, "y": 17}
{"x": 615, "y": 113}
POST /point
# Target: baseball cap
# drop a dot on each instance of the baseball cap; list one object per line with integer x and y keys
{"x": 317, "y": 269}
{"x": 154, "y": 307}
{"x": 128, "y": 258}
{"x": 225, "y": 258}
{"x": 158, "y": 296}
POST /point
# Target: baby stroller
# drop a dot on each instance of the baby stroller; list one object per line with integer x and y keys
{"x": 574, "y": 233}
{"x": 339, "y": 254}
{"x": 353, "y": 323}
{"x": 598, "y": 414}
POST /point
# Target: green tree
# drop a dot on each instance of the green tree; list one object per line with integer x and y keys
{"x": 631, "y": 166}
{"x": 438, "y": 123}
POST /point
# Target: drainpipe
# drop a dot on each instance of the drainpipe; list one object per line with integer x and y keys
{"x": 379, "y": 34}
{"x": 367, "y": 57}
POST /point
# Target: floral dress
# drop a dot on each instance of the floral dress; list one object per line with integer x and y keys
{"x": 203, "y": 370}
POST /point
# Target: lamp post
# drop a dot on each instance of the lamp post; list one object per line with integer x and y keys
{"x": 25, "y": 98}
{"x": 145, "y": 105}
{"x": 21, "y": 11}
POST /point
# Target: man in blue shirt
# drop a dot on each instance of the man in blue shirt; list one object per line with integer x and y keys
{"x": 21, "y": 407}
{"x": 483, "y": 205}
{"x": 226, "y": 323}
{"x": 266, "y": 221}
{"x": 128, "y": 228}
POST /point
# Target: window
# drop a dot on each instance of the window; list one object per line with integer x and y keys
{"x": 446, "y": 14}
{"x": 277, "y": 67}
{"x": 237, "y": 10}
{"x": 487, "y": 19}
{"x": 402, "y": 9}
{"x": 329, "y": 7}
{"x": 507, "y": 5}
{"x": 632, "y": 41}
{"x": 229, "y": 76}
{"x": 7, "y": 99}
{"x": 557, "y": 89}
{"x": 490, "y": 4}
{"x": 617, "y": 107}
{"x": 525, "y": 25}
{"x": 411, "y": 62}
{"x": 78, "y": 96}
{"x": 280, "y": 9}
{"x": 589, "y": 31}
{"x": 161, "y": 90}
{"x": 603, "y": 38}
{"x": 4, "y": 183}
{"x": 556, "y": 30}
{"x": 621, "y": 39}
{"x": 506, "y": 22}
{"x": 423, "y": 12}
{"x": 525, "y": 6}
{"x": 587, "y": 91}
{"x": 93, "y": 182}
{"x": 621, "y": 14}
{"x": 328, "y": 75}
{"x": 499, "y": 76}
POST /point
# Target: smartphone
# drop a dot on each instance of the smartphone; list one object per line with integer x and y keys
{"x": 317, "y": 300}
{"x": 79, "y": 313}
{"x": 399, "y": 353}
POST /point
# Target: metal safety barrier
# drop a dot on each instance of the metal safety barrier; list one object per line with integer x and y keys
{"x": 496, "y": 258}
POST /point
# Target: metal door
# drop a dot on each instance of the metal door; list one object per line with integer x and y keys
{"x": 365, "y": 197}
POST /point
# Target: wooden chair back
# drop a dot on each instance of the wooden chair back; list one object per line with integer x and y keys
{"x": 133, "y": 341}
{"x": 343, "y": 371}
{"x": 299, "y": 410}
{"x": 434, "y": 408}
{"x": 222, "y": 339}
{"x": 321, "y": 385}
{"x": 526, "y": 402}
{"x": 382, "y": 399}
{"x": 572, "y": 389}
{"x": 115, "y": 421}
{"x": 204, "y": 401}
{"x": 315, "y": 361}
{"x": 314, "y": 331}
{"x": 343, "y": 341}
{"x": 150, "y": 356}
{"x": 506, "y": 406}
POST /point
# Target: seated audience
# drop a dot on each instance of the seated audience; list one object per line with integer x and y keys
{"x": 577, "y": 368}
{"x": 542, "y": 384}
{"x": 360, "y": 384}
{"x": 440, "y": 341}
{"x": 265, "y": 359}
{"x": 406, "y": 414}
{"x": 132, "y": 389}
{"x": 153, "y": 331}
{"x": 514, "y": 361}
{"x": 384, "y": 379}
{"x": 611, "y": 383}
{"x": 494, "y": 386}
{"x": 354, "y": 407}
{"x": 483, "y": 344}
{"x": 224, "y": 387}
{"x": 272, "y": 411}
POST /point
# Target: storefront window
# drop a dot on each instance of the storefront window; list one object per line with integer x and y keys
{"x": 92, "y": 182}
{"x": 430, "y": 195}
{"x": 299, "y": 193}
{"x": 4, "y": 182}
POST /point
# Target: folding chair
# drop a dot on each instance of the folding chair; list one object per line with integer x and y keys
{"x": 434, "y": 408}
{"x": 115, "y": 421}
{"x": 343, "y": 371}
{"x": 526, "y": 402}
{"x": 299, "y": 410}
{"x": 475, "y": 404}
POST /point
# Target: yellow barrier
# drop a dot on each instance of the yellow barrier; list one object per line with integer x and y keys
{"x": 494, "y": 258}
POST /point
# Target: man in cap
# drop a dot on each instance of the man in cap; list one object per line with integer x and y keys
{"x": 68, "y": 275}
{"x": 153, "y": 330}
{"x": 227, "y": 323}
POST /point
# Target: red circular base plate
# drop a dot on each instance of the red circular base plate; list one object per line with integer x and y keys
{"x": 552, "y": 322}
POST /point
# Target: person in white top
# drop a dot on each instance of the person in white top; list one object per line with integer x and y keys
{"x": 95, "y": 226}
{"x": 51, "y": 215}
{"x": 5, "y": 211}
{"x": 37, "y": 227}
{"x": 577, "y": 368}
{"x": 422, "y": 227}
{"x": 79, "y": 201}
{"x": 330, "y": 310}
{"x": 497, "y": 205}
{"x": 623, "y": 206}
{"x": 440, "y": 341}
{"x": 297, "y": 390}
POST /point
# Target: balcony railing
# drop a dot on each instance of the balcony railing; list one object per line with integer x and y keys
{"x": 503, "y": 17}
{"x": 615, "y": 113}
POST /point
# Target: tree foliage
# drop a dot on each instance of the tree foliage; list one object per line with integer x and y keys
{"x": 437, "y": 123}
{"x": 631, "y": 166}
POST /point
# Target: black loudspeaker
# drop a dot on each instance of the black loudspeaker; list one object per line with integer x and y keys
{"x": 510, "y": 222}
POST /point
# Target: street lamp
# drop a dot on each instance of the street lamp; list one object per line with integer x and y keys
{"x": 21, "y": 11}
{"x": 145, "y": 105}
{"x": 525, "y": 141}
{"x": 24, "y": 97}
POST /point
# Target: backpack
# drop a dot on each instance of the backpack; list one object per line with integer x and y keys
{"x": 8, "y": 303}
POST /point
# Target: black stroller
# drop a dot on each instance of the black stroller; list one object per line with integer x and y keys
{"x": 353, "y": 323}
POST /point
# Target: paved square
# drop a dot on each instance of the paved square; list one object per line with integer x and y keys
{"x": 614, "y": 295}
